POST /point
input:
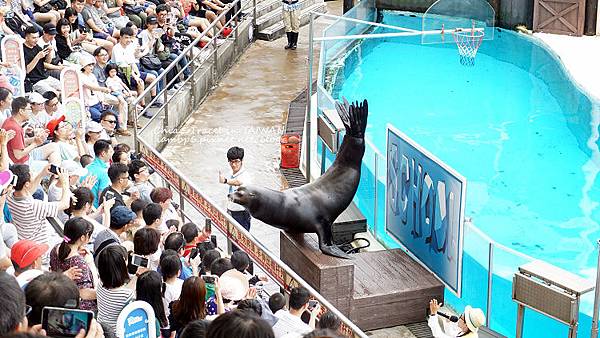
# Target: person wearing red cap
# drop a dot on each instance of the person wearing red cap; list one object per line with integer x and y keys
{"x": 26, "y": 257}
{"x": 70, "y": 143}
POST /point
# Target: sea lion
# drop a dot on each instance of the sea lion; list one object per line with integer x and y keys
{"x": 315, "y": 206}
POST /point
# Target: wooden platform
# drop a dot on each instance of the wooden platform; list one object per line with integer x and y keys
{"x": 375, "y": 289}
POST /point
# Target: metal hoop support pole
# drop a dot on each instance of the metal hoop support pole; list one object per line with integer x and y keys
{"x": 594, "y": 333}
{"x": 488, "y": 313}
{"x": 309, "y": 95}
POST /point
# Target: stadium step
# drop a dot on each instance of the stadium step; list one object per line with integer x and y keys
{"x": 275, "y": 28}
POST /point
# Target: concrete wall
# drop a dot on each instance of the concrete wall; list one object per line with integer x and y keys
{"x": 205, "y": 77}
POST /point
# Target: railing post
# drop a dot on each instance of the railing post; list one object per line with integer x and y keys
{"x": 181, "y": 200}
{"x": 488, "y": 314}
{"x": 594, "y": 333}
{"x": 166, "y": 109}
{"x": 192, "y": 68}
{"x": 375, "y": 170}
{"x": 254, "y": 25}
{"x": 136, "y": 144}
{"x": 235, "y": 33}
{"x": 308, "y": 96}
{"x": 215, "y": 54}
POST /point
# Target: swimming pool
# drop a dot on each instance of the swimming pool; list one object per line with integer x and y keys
{"x": 515, "y": 125}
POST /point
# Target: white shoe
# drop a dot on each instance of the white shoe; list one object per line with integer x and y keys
{"x": 220, "y": 41}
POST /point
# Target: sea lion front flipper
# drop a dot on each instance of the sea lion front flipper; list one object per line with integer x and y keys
{"x": 335, "y": 251}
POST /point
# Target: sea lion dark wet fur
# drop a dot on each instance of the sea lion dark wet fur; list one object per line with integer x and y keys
{"x": 315, "y": 206}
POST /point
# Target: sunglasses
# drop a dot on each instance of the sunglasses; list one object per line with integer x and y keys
{"x": 110, "y": 121}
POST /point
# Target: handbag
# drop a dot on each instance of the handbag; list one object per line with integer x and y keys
{"x": 164, "y": 54}
{"x": 151, "y": 62}
{"x": 133, "y": 9}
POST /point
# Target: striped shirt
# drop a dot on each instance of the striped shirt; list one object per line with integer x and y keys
{"x": 110, "y": 304}
{"x": 29, "y": 217}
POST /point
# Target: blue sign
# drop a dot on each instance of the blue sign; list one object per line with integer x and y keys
{"x": 425, "y": 207}
{"x": 137, "y": 320}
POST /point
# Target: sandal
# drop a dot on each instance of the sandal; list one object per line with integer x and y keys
{"x": 123, "y": 132}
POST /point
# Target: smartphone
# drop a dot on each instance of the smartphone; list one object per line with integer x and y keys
{"x": 210, "y": 279}
{"x": 109, "y": 195}
{"x": 53, "y": 169}
{"x": 13, "y": 180}
{"x": 138, "y": 260}
{"x": 312, "y": 303}
{"x": 207, "y": 225}
{"x": 47, "y": 46}
{"x": 62, "y": 322}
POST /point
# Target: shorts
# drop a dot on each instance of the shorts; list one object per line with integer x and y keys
{"x": 102, "y": 35}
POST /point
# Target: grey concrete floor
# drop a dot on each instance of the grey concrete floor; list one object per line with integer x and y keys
{"x": 248, "y": 109}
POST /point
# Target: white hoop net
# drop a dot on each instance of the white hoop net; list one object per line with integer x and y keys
{"x": 468, "y": 43}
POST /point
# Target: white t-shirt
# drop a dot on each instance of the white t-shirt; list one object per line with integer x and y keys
{"x": 243, "y": 176}
{"x": 172, "y": 293}
{"x": 123, "y": 55}
{"x": 115, "y": 84}
{"x": 90, "y": 97}
{"x": 289, "y": 325}
{"x": 40, "y": 120}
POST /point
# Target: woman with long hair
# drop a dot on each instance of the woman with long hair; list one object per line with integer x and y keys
{"x": 71, "y": 252}
{"x": 149, "y": 288}
{"x": 114, "y": 293}
{"x": 191, "y": 305}
{"x": 68, "y": 45}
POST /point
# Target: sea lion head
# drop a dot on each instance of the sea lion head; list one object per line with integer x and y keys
{"x": 242, "y": 196}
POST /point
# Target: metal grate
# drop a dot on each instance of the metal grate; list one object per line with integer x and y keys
{"x": 420, "y": 330}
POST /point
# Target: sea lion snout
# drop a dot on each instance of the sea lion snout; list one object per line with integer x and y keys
{"x": 241, "y": 196}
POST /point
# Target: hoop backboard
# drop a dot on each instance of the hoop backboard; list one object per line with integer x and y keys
{"x": 448, "y": 15}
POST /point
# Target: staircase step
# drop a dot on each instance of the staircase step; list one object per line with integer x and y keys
{"x": 277, "y": 29}
{"x": 265, "y": 7}
{"x": 276, "y": 15}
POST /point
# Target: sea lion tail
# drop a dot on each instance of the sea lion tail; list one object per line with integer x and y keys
{"x": 354, "y": 116}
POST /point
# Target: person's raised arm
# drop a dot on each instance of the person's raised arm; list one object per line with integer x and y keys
{"x": 5, "y": 137}
{"x": 36, "y": 141}
{"x": 39, "y": 56}
{"x": 65, "y": 199}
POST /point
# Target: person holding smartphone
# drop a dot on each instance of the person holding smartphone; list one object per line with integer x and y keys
{"x": 290, "y": 321}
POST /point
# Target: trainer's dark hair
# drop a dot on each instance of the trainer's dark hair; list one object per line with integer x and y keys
{"x": 219, "y": 266}
{"x": 299, "y": 296}
{"x": 240, "y": 260}
{"x": 170, "y": 264}
{"x": 134, "y": 168}
{"x": 209, "y": 258}
{"x": 277, "y": 302}
{"x": 151, "y": 213}
{"x": 189, "y": 231}
{"x": 116, "y": 170}
{"x": 195, "y": 329}
{"x": 112, "y": 266}
{"x": 252, "y": 305}
{"x": 74, "y": 228}
{"x": 145, "y": 241}
{"x": 239, "y": 324}
{"x": 12, "y": 306}
{"x": 175, "y": 241}
{"x": 101, "y": 146}
{"x": 235, "y": 153}
{"x": 23, "y": 175}
{"x": 149, "y": 288}
{"x": 17, "y": 104}
{"x": 50, "y": 289}
{"x": 329, "y": 320}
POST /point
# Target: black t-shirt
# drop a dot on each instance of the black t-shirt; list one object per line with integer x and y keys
{"x": 118, "y": 197}
{"x": 39, "y": 72}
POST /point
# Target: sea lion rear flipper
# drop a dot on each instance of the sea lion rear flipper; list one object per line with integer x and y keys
{"x": 335, "y": 251}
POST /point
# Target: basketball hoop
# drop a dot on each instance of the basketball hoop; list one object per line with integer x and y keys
{"x": 468, "y": 43}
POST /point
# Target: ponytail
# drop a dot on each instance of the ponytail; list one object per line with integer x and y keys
{"x": 74, "y": 229}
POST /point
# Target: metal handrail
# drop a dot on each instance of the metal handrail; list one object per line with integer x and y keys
{"x": 218, "y": 220}
{"x": 186, "y": 51}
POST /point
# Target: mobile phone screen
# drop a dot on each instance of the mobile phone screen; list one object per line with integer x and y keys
{"x": 61, "y": 322}
{"x": 54, "y": 169}
{"x": 138, "y": 260}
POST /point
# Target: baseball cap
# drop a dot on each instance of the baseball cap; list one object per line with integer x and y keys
{"x": 25, "y": 252}
{"x": 94, "y": 127}
{"x": 73, "y": 168}
{"x": 121, "y": 215}
{"x": 53, "y": 124}
{"x": 35, "y": 98}
{"x": 50, "y": 29}
{"x": 151, "y": 20}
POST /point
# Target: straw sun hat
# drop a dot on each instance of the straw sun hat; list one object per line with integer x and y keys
{"x": 474, "y": 318}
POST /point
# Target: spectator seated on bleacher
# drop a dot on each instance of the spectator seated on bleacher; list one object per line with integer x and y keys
{"x": 55, "y": 65}
{"x": 37, "y": 77}
{"x": 68, "y": 45}
{"x": 289, "y": 321}
{"x": 52, "y": 105}
{"x": 99, "y": 168}
{"x": 29, "y": 215}
{"x": 26, "y": 257}
{"x": 91, "y": 42}
{"x": 39, "y": 118}
{"x": 69, "y": 141}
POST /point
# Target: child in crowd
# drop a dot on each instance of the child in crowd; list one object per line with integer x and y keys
{"x": 117, "y": 86}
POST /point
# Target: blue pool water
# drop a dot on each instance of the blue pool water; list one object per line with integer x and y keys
{"x": 514, "y": 125}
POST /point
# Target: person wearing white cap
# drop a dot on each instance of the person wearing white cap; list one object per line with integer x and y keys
{"x": 93, "y": 133}
{"x": 467, "y": 325}
{"x": 38, "y": 118}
